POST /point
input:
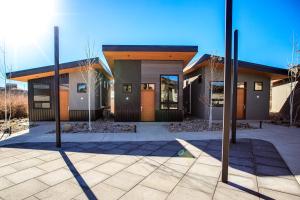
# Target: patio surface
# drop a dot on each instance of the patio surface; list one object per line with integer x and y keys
{"x": 144, "y": 170}
{"x": 285, "y": 139}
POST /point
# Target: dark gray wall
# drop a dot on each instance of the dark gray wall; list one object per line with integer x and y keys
{"x": 105, "y": 85}
{"x": 127, "y": 71}
{"x": 197, "y": 95}
{"x": 44, "y": 114}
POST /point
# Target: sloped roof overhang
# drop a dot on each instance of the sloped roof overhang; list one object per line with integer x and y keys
{"x": 148, "y": 52}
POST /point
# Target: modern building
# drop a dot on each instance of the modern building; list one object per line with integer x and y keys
{"x": 150, "y": 83}
{"x": 75, "y": 79}
{"x": 148, "y": 80}
{"x": 204, "y": 86}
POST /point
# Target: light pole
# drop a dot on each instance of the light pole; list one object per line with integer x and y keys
{"x": 234, "y": 86}
{"x": 56, "y": 86}
{"x": 227, "y": 90}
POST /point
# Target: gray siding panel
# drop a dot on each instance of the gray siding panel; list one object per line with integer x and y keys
{"x": 257, "y": 102}
{"x": 151, "y": 71}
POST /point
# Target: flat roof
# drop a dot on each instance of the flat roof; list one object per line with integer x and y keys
{"x": 148, "y": 52}
{"x": 273, "y": 72}
{"x": 150, "y": 48}
{"x": 39, "y": 72}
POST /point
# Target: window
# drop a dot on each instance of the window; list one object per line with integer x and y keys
{"x": 217, "y": 95}
{"x": 127, "y": 88}
{"x": 147, "y": 86}
{"x": 169, "y": 85}
{"x": 41, "y": 96}
{"x": 258, "y": 86}
{"x": 81, "y": 87}
{"x": 241, "y": 85}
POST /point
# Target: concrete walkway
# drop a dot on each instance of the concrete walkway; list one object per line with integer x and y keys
{"x": 144, "y": 170}
{"x": 286, "y": 140}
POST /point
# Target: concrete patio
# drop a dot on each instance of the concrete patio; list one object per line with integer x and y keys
{"x": 286, "y": 140}
{"x": 144, "y": 170}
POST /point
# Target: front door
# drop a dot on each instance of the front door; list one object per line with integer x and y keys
{"x": 147, "y": 102}
{"x": 241, "y": 101}
{"x": 64, "y": 104}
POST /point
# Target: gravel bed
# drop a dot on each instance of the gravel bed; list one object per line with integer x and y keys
{"x": 99, "y": 126}
{"x": 198, "y": 125}
{"x": 17, "y": 125}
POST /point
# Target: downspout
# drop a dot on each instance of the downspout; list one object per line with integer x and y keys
{"x": 190, "y": 105}
{"x": 101, "y": 93}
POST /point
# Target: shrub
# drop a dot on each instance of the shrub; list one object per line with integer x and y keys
{"x": 19, "y": 105}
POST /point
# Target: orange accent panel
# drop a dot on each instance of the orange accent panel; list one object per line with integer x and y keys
{"x": 148, "y": 105}
{"x": 240, "y": 107}
{"x": 64, "y": 104}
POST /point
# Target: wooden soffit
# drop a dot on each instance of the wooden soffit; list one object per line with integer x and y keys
{"x": 36, "y": 73}
{"x": 241, "y": 69}
{"x": 111, "y": 56}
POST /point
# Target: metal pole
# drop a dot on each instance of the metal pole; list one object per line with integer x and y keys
{"x": 234, "y": 86}
{"x": 56, "y": 86}
{"x": 227, "y": 90}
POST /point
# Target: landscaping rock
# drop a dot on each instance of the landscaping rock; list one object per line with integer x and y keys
{"x": 199, "y": 125}
{"x": 17, "y": 125}
{"x": 67, "y": 127}
{"x": 99, "y": 126}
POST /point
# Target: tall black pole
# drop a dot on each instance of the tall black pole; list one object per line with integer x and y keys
{"x": 56, "y": 86}
{"x": 234, "y": 86}
{"x": 227, "y": 90}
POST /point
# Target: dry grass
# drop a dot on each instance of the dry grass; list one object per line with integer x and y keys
{"x": 19, "y": 105}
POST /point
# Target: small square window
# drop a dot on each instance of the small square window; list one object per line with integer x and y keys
{"x": 258, "y": 86}
{"x": 81, "y": 87}
{"x": 127, "y": 88}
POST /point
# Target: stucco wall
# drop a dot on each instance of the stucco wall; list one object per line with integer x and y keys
{"x": 279, "y": 96}
{"x": 79, "y": 101}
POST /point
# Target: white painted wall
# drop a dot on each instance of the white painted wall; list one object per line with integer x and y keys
{"x": 279, "y": 96}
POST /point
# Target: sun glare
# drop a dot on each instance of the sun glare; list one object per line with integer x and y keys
{"x": 22, "y": 21}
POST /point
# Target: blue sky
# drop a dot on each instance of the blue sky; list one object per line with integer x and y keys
{"x": 265, "y": 28}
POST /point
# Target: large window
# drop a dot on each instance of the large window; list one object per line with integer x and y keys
{"x": 41, "y": 96}
{"x": 169, "y": 85}
{"x": 217, "y": 95}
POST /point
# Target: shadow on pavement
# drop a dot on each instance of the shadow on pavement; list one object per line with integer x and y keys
{"x": 253, "y": 156}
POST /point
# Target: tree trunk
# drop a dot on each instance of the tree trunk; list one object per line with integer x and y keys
{"x": 89, "y": 99}
{"x": 210, "y": 110}
{"x": 291, "y": 104}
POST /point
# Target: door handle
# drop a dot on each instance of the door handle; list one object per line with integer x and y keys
{"x": 141, "y": 108}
